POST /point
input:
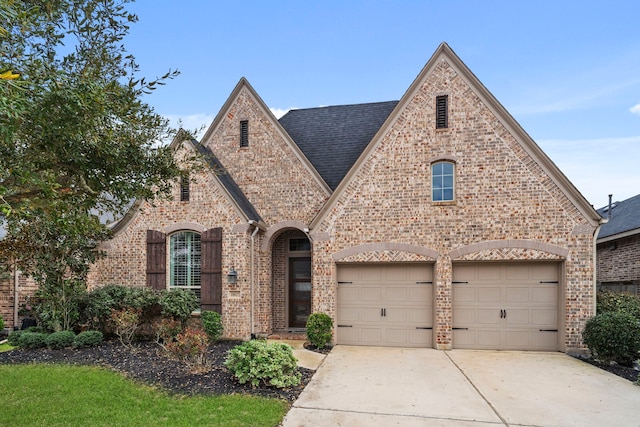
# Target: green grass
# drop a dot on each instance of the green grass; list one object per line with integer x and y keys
{"x": 61, "y": 395}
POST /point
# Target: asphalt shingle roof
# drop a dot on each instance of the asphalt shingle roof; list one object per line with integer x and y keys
{"x": 333, "y": 137}
{"x": 625, "y": 216}
{"x": 227, "y": 181}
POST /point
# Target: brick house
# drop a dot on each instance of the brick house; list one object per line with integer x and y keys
{"x": 618, "y": 247}
{"x": 432, "y": 221}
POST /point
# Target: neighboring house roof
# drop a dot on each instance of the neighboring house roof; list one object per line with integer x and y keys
{"x": 227, "y": 182}
{"x": 624, "y": 219}
{"x": 333, "y": 137}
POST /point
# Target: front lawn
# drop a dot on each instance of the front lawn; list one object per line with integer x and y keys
{"x": 63, "y": 395}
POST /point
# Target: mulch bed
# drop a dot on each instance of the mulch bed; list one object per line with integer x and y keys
{"x": 626, "y": 372}
{"x": 147, "y": 363}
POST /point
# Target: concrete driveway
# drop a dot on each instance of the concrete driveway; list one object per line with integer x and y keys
{"x": 376, "y": 386}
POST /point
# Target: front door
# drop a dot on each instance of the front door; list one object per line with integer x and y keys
{"x": 299, "y": 291}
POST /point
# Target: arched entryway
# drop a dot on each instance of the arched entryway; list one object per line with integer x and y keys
{"x": 291, "y": 273}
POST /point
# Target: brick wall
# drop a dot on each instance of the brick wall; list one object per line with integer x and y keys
{"x": 619, "y": 260}
{"x": 501, "y": 194}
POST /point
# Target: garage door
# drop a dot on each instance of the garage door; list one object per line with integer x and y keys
{"x": 505, "y": 306}
{"x": 385, "y": 305}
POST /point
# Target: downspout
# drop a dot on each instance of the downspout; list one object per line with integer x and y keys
{"x": 595, "y": 261}
{"x": 16, "y": 296}
{"x": 253, "y": 236}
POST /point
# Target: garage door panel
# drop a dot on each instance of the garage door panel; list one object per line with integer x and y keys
{"x": 400, "y": 289}
{"x": 504, "y": 305}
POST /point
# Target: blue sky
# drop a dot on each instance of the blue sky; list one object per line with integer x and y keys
{"x": 568, "y": 71}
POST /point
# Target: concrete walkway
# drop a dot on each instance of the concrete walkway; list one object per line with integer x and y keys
{"x": 373, "y": 386}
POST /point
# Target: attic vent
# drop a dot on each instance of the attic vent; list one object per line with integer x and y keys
{"x": 184, "y": 189}
{"x": 244, "y": 133}
{"x": 442, "y": 119}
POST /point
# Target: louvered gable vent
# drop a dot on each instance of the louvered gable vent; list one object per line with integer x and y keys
{"x": 442, "y": 119}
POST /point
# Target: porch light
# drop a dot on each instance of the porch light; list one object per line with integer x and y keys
{"x": 232, "y": 277}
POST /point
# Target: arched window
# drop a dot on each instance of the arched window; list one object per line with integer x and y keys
{"x": 442, "y": 181}
{"x": 184, "y": 260}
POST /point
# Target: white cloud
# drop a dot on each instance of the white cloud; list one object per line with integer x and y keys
{"x": 279, "y": 112}
{"x": 598, "y": 167}
{"x": 635, "y": 109}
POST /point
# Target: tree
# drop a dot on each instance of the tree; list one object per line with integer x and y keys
{"x": 77, "y": 140}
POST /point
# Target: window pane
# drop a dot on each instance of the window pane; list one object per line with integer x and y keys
{"x": 185, "y": 260}
{"x": 447, "y": 168}
{"x": 436, "y": 195}
{"x": 447, "y": 194}
{"x": 437, "y": 169}
{"x": 442, "y": 181}
{"x": 437, "y": 182}
{"x": 447, "y": 181}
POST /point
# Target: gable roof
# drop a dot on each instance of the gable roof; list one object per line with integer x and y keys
{"x": 623, "y": 219}
{"x": 227, "y": 182}
{"x": 333, "y": 137}
{"x": 445, "y": 53}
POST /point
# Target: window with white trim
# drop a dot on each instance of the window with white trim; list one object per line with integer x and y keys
{"x": 184, "y": 260}
{"x": 442, "y": 182}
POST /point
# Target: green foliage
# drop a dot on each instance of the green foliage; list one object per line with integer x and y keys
{"x": 100, "y": 302}
{"x": 1, "y": 323}
{"x": 319, "y": 329}
{"x": 178, "y": 304}
{"x": 212, "y": 325}
{"x": 60, "y": 339}
{"x": 613, "y": 336}
{"x": 259, "y": 362}
{"x": 88, "y": 339}
{"x": 190, "y": 347}
{"x": 56, "y": 305}
{"x": 125, "y": 323}
{"x": 618, "y": 301}
{"x": 14, "y": 338}
{"x": 32, "y": 340}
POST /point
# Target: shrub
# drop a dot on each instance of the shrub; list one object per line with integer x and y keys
{"x": 60, "y": 339}
{"x": 212, "y": 325}
{"x": 618, "y": 301}
{"x": 166, "y": 330}
{"x": 1, "y": 323}
{"x": 100, "y": 302}
{"x": 14, "y": 338}
{"x": 32, "y": 340}
{"x": 125, "y": 323}
{"x": 190, "y": 347}
{"x": 178, "y": 304}
{"x": 613, "y": 336}
{"x": 319, "y": 329}
{"x": 88, "y": 339}
{"x": 258, "y": 362}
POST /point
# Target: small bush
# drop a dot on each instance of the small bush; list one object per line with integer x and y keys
{"x": 32, "y": 340}
{"x": 178, "y": 304}
{"x": 613, "y": 337}
{"x": 125, "y": 322}
{"x": 1, "y": 323}
{"x": 190, "y": 347}
{"x": 166, "y": 330}
{"x": 14, "y": 338}
{"x": 259, "y": 362}
{"x": 618, "y": 301}
{"x": 88, "y": 339}
{"x": 60, "y": 339}
{"x": 212, "y": 325}
{"x": 319, "y": 329}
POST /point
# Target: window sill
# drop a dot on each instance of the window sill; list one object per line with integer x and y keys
{"x": 444, "y": 203}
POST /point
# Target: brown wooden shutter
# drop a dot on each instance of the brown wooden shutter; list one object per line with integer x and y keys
{"x": 156, "y": 259}
{"x": 211, "y": 270}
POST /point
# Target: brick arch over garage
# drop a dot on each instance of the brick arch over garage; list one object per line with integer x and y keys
{"x": 385, "y": 246}
{"x": 554, "y": 251}
{"x": 274, "y": 231}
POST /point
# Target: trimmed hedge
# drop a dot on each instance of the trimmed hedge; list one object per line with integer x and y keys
{"x": 319, "y": 329}
{"x": 618, "y": 301}
{"x": 60, "y": 339}
{"x": 613, "y": 337}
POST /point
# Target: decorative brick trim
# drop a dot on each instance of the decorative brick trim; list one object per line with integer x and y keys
{"x": 582, "y": 230}
{"x": 444, "y": 157}
{"x": 183, "y": 226}
{"x": 385, "y": 246}
{"x": 508, "y": 244}
{"x": 277, "y": 228}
